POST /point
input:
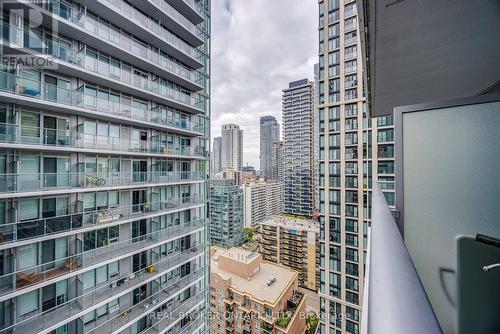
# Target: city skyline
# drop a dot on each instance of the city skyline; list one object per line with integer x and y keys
{"x": 247, "y": 78}
{"x": 249, "y": 167}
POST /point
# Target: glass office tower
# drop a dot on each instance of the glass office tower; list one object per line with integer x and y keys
{"x": 104, "y": 166}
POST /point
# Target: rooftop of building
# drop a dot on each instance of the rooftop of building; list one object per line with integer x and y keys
{"x": 292, "y": 222}
{"x": 257, "y": 285}
{"x": 299, "y": 83}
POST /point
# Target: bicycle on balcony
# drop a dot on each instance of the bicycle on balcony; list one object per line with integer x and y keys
{"x": 94, "y": 180}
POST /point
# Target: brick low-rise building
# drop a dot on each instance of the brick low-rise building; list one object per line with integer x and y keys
{"x": 248, "y": 295}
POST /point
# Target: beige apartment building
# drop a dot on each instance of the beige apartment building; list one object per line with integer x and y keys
{"x": 249, "y": 295}
{"x": 354, "y": 151}
{"x": 262, "y": 200}
{"x": 293, "y": 242}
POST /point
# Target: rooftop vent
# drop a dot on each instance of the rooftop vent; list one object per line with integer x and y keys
{"x": 271, "y": 280}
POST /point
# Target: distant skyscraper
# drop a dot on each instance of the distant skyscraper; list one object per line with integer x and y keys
{"x": 298, "y": 105}
{"x": 226, "y": 213}
{"x": 248, "y": 169}
{"x": 232, "y": 147}
{"x": 217, "y": 155}
{"x": 269, "y": 132}
{"x": 277, "y": 163}
{"x": 354, "y": 151}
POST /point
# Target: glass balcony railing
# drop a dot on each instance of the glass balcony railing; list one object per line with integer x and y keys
{"x": 350, "y": 12}
{"x": 28, "y": 135}
{"x": 36, "y": 89}
{"x": 181, "y": 19}
{"x": 21, "y": 182}
{"x": 103, "y": 30}
{"x": 350, "y": 55}
{"x": 39, "y": 274}
{"x": 189, "y": 328}
{"x": 349, "y": 41}
{"x": 115, "y": 288}
{"x": 174, "y": 308}
{"x": 153, "y": 26}
{"x": 177, "y": 311}
{"x": 14, "y": 36}
{"x": 196, "y": 6}
{"x": 350, "y": 26}
{"x": 387, "y": 254}
{"x": 386, "y": 184}
{"x": 384, "y": 137}
{"x": 350, "y": 69}
{"x": 74, "y": 222}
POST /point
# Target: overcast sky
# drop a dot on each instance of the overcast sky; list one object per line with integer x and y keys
{"x": 258, "y": 47}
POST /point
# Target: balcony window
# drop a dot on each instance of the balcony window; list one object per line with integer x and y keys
{"x": 390, "y": 197}
{"x": 385, "y": 151}
{"x": 351, "y": 225}
{"x": 333, "y": 90}
{"x": 54, "y": 295}
{"x": 351, "y": 181}
{"x": 385, "y": 167}
{"x": 28, "y": 302}
{"x": 385, "y": 135}
{"x": 352, "y": 269}
{"x": 351, "y": 110}
{"x": 352, "y": 284}
{"x": 352, "y": 327}
{"x": 350, "y": 37}
{"x": 333, "y": 5}
{"x": 351, "y": 152}
{"x": 352, "y": 313}
{"x": 351, "y": 138}
{"x": 351, "y": 66}
{"x": 351, "y": 168}
{"x": 336, "y": 315}
{"x": 333, "y": 16}
{"x": 335, "y": 285}
{"x": 27, "y": 256}
{"x": 351, "y": 124}
{"x": 351, "y": 94}
{"x": 351, "y": 239}
{"x": 333, "y": 71}
{"x": 385, "y": 121}
{"x": 334, "y": 181}
{"x": 333, "y": 31}
{"x": 351, "y": 254}
{"x": 350, "y": 9}
{"x": 351, "y": 81}
{"x": 334, "y": 44}
{"x": 351, "y": 211}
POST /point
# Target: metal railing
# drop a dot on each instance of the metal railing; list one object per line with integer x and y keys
{"x": 15, "y": 35}
{"x": 75, "y": 222}
{"x": 24, "y": 182}
{"x": 115, "y": 288}
{"x": 90, "y": 24}
{"x": 42, "y": 273}
{"x": 392, "y": 285}
{"x": 18, "y": 85}
{"x": 30, "y": 135}
{"x": 181, "y": 19}
{"x": 128, "y": 316}
{"x": 177, "y": 312}
{"x": 196, "y": 6}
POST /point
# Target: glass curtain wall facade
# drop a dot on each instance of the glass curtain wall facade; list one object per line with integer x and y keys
{"x": 354, "y": 151}
{"x": 104, "y": 168}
